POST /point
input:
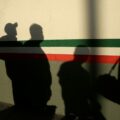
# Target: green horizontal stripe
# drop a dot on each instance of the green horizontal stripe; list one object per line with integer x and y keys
{"x": 83, "y": 42}
{"x": 66, "y": 43}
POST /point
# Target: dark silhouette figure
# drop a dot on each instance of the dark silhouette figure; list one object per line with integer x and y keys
{"x": 11, "y": 32}
{"x": 109, "y": 86}
{"x": 77, "y": 90}
{"x": 37, "y": 70}
{"x": 30, "y": 75}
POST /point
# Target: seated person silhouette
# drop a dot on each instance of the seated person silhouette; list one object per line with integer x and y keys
{"x": 109, "y": 86}
{"x": 77, "y": 92}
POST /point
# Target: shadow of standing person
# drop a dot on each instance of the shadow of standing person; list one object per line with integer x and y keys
{"x": 37, "y": 75}
{"x": 37, "y": 69}
{"x": 30, "y": 76}
{"x": 13, "y": 66}
{"x": 79, "y": 98}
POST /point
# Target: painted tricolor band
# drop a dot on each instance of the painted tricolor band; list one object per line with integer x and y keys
{"x": 97, "y": 51}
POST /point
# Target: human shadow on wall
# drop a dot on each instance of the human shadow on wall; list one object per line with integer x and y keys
{"x": 11, "y": 32}
{"x": 77, "y": 89}
{"x": 37, "y": 69}
{"x": 109, "y": 85}
{"x": 10, "y": 38}
{"x": 30, "y": 76}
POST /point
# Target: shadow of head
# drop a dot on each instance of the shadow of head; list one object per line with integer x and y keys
{"x": 81, "y": 53}
{"x": 36, "y": 32}
{"x": 10, "y": 29}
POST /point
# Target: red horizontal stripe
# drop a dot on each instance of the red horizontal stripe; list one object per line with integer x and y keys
{"x": 64, "y": 57}
{"x": 91, "y": 58}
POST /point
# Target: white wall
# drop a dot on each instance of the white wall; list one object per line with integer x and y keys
{"x": 109, "y": 18}
{"x": 59, "y": 18}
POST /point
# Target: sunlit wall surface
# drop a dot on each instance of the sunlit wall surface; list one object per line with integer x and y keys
{"x": 59, "y": 19}
{"x": 108, "y": 18}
